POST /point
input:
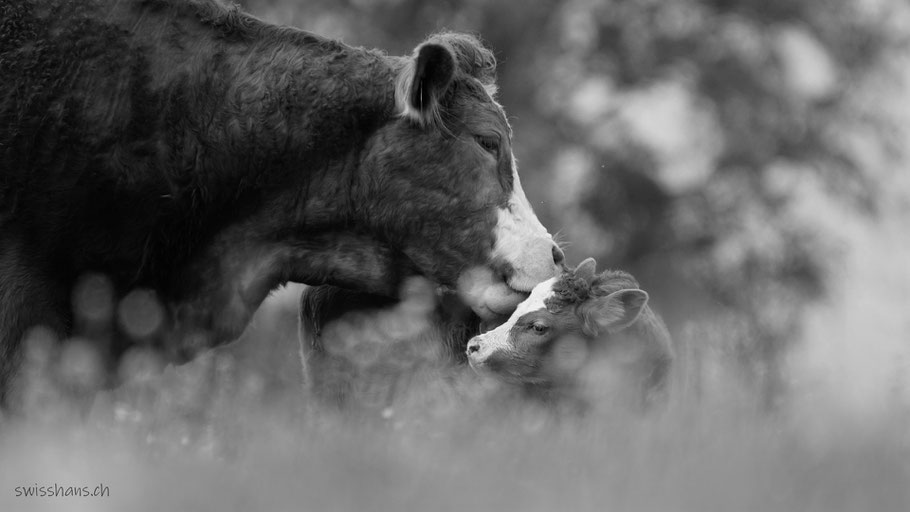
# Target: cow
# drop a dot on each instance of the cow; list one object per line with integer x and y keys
{"x": 201, "y": 156}
{"x": 552, "y": 340}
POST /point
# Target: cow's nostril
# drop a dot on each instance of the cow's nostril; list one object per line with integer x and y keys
{"x": 473, "y": 347}
{"x": 505, "y": 270}
{"x": 559, "y": 257}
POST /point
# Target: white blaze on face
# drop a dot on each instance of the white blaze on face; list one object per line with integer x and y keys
{"x": 498, "y": 338}
{"x": 522, "y": 241}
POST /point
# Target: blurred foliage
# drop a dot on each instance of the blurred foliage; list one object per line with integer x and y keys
{"x": 681, "y": 140}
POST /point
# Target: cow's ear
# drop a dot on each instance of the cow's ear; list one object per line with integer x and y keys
{"x": 423, "y": 82}
{"x": 613, "y": 312}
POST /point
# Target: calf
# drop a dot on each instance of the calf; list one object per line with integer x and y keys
{"x": 568, "y": 321}
{"x": 350, "y": 340}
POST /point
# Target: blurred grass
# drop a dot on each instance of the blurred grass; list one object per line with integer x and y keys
{"x": 231, "y": 431}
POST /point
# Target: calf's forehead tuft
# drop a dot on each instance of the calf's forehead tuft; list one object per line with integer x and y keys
{"x": 569, "y": 290}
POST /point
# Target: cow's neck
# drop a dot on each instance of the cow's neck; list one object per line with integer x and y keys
{"x": 263, "y": 111}
{"x": 298, "y": 223}
{"x": 296, "y": 120}
{"x": 300, "y": 110}
{"x": 225, "y": 285}
{"x": 277, "y": 122}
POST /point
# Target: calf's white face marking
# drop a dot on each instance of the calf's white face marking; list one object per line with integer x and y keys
{"x": 498, "y": 338}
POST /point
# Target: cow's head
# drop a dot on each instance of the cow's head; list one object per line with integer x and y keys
{"x": 557, "y": 324}
{"x": 443, "y": 187}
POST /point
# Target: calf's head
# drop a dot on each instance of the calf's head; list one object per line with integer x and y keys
{"x": 443, "y": 186}
{"x": 550, "y": 334}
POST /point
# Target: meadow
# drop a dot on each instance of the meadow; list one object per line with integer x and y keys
{"x": 233, "y": 430}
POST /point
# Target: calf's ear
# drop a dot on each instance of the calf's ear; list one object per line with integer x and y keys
{"x": 423, "y": 81}
{"x": 586, "y": 269}
{"x": 613, "y": 312}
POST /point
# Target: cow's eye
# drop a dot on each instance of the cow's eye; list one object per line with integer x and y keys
{"x": 490, "y": 144}
{"x": 539, "y": 328}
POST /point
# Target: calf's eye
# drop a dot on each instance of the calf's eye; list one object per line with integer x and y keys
{"x": 539, "y": 328}
{"x": 490, "y": 144}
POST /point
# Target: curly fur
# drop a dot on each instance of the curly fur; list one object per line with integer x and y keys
{"x": 418, "y": 100}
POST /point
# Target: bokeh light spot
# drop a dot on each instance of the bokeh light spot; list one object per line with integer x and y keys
{"x": 140, "y": 313}
{"x": 93, "y": 298}
{"x": 80, "y": 364}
